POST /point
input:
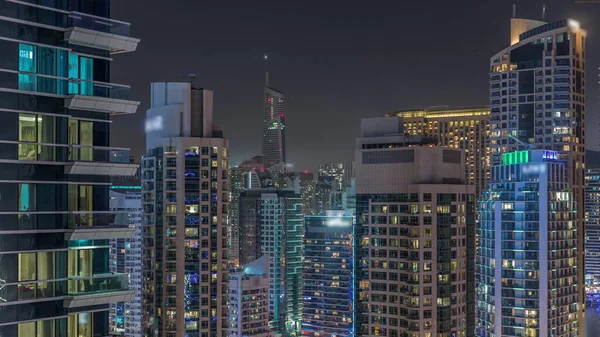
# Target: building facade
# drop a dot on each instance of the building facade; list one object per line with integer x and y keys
{"x": 537, "y": 99}
{"x": 126, "y": 257}
{"x": 185, "y": 200}
{"x": 328, "y": 276}
{"x": 526, "y": 265}
{"x": 592, "y": 224}
{"x": 307, "y": 190}
{"x": 415, "y": 213}
{"x": 56, "y": 161}
{"x": 249, "y": 300}
{"x": 341, "y": 172}
{"x": 459, "y": 128}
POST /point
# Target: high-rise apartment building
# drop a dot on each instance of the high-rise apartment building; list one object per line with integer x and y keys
{"x": 592, "y": 223}
{"x": 307, "y": 191}
{"x": 249, "y": 300}
{"x": 537, "y": 98}
{"x": 273, "y": 145}
{"x": 415, "y": 213}
{"x": 57, "y": 102}
{"x": 328, "y": 276}
{"x": 526, "y": 266}
{"x": 185, "y": 197}
{"x": 271, "y": 224}
{"x": 341, "y": 172}
{"x": 126, "y": 257}
{"x": 459, "y": 128}
{"x": 322, "y": 197}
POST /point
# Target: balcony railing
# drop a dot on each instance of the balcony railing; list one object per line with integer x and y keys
{"x": 62, "y": 152}
{"x": 79, "y": 220}
{"x": 78, "y": 286}
{"x": 55, "y": 85}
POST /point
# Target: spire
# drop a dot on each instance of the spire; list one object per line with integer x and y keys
{"x": 266, "y": 71}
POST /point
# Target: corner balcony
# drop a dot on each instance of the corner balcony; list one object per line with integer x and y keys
{"x": 98, "y": 32}
{"x": 98, "y": 226}
{"x": 96, "y": 160}
{"x": 78, "y": 93}
{"x": 97, "y": 290}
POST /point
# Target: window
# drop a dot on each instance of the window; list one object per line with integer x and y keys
{"x": 27, "y": 267}
{"x": 86, "y": 73}
{"x": 27, "y": 63}
{"x": 86, "y": 139}
{"x": 26, "y": 197}
{"x": 85, "y": 198}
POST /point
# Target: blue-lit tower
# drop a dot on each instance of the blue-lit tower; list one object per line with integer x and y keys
{"x": 526, "y": 265}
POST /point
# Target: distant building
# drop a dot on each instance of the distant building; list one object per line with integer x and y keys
{"x": 526, "y": 253}
{"x": 308, "y": 190}
{"x": 249, "y": 300}
{"x": 328, "y": 276}
{"x": 273, "y": 146}
{"x": 342, "y": 173}
{"x": 415, "y": 219}
{"x": 459, "y": 128}
{"x": 322, "y": 197}
{"x": 592, "y": 223}
{"x": 185, "y": 199}
{"x": 126, "y": 258}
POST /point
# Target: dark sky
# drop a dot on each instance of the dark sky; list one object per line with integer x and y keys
{"x": 336, "y": 61}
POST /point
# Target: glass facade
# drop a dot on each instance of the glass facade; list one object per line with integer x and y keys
{"x": 526, "y": 263}
{"x": 328, "y": 276}
{"x": 52, "y": 259}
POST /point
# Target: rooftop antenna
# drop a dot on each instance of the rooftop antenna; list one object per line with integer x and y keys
{"x": 514, "y": 11}
{"x": 544, "y": 12}
{"x": 191, "y": 78}
{"x": 266, "y": 70}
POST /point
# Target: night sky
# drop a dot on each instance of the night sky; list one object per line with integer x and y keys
{"x": 336, "y": 62}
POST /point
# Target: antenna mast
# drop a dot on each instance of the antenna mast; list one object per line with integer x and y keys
{"x": 191, "y": 78}
{"x": 266, "y": 70}
{"x": 544, "y": 12}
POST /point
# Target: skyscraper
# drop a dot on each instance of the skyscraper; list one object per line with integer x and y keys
{"x": 526, "y": 262}
{"x": 249, "y": 300}
{"x": 185, "y": 197}
{"x": 307, "y": 190}
{"x": 57, "y": 101}
{"x": 592, "y": 224}
{"x": 459, "y": 128}
{"x": 537, "y": 99}
{"x": 341, "y": 172}
{"x": 126, "y": 257}
{"x": 328, "y": 276}
{"x": 271, "y": 224}
{"x": 415, "y": 216}
{"x": 273, "y": 145}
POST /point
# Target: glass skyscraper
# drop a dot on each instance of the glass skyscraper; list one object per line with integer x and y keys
{"x": 55, "y": 157}
{"x": 526, "y": 266}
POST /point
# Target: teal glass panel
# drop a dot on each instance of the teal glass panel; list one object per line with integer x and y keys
{"x": 46, "y": 65}
{"x": 62, "y": 67}
{"x": 73, "y": 73}
{"x": 86, "y": 73}
{"x": 27, "y": 63}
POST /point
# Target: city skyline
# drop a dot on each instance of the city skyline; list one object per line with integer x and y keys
{"x": 368, "y": 81}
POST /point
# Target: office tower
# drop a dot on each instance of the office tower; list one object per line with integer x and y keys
{"x": 459, "y": 128}
{"x": 307, "y": 190}
{"x": 328, "y": 276}
{"x": 592, "y": 224}
{"x": 527, "y": 259}
{"x": 537, "y": 98}
{"x": 185, "y": 197}
{"x": 271, "y": 224}
{"x": 126, "y": 257}
{"x": 323, "y": 197}
{"x": 415, "y": 216}
{"x": 273, "y": 145}
{"x": 341, "y": 172}
{"x": 249, "y": 300}
{"x": 55, "y": 224}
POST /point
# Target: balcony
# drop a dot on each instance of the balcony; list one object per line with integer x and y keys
{"x": 98, "y": 226}
{"x": 98, "y": 32}
{"x": 78, "y": 93}
{"x": 96, "y": 160}
{"x": 97, "y": 290}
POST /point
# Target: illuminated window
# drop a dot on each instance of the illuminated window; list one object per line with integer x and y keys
{"x": 27, "y": 63}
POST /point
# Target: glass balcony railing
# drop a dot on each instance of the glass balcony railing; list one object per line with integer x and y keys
{"x": 49, "y": 84}
{"x": 81, "y": 220}
{"x": 52, "y": 17}
{"x": 97, "y": 284}
{"x": 62, "y": 152}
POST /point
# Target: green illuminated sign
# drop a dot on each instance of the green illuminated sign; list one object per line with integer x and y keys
{"x": 126, "y": 187}
{"x": 515, "y": 157}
